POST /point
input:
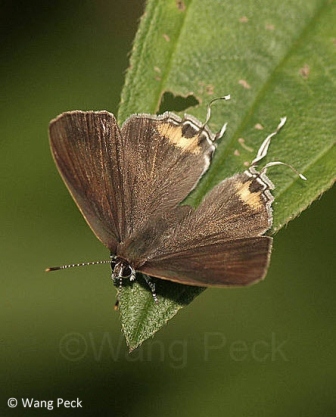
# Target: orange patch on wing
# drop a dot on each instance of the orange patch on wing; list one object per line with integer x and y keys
{"x": 174, "y": 135}
{"x": 254, "y": 199}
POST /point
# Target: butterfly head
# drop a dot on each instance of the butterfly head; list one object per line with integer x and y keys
{"x": 121, "y": 269}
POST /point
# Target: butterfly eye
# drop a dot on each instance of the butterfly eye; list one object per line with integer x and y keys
{"x": 121, "y": 270}
{"x": 113, "y": 263}
{"x": 127, "y": 272}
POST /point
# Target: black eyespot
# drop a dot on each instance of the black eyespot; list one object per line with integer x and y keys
{"x": 189, "y": 131}
{"x": 255, "y": 186}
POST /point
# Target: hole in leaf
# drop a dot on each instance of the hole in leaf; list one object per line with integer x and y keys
{"x": 170, "y": 102}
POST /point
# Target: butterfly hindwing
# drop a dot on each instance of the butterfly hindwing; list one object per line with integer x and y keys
{"x": 221, "y": 242}
{"x": 165, "y": 158}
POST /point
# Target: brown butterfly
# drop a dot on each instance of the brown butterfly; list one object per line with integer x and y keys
{"x": 129, "y": 182}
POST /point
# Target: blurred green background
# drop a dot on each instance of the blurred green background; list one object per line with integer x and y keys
{"x": 268, "y": 350}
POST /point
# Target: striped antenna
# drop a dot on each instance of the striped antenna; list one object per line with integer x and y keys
{"x": 56, "y": 268}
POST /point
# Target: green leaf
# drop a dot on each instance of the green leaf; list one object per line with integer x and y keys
{"x": 275, "y": 59}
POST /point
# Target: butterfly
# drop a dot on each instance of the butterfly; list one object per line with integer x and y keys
{"x": 128, "y": 182}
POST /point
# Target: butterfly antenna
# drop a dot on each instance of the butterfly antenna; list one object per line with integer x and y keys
{"x": 208, "y": 116}
{"x": 56, "y": 268}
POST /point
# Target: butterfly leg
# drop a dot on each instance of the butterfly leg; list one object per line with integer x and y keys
{"x": 151, "y": 285}
{"x": 115, "y": 280}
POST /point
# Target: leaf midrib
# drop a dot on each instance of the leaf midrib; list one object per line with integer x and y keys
{"x": 173, "y": 51}
{"x": 210, "y": 176}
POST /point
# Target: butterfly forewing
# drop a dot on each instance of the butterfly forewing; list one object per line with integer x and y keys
{"x": 88, "y": 151}
{"x": 225, "y": 263}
